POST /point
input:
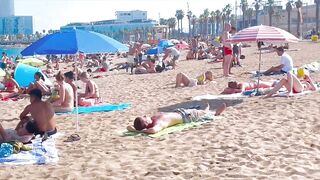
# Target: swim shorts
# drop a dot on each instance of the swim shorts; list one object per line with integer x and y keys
{"x": 188, "y": 115}
{"x": 32, "y": 127}
{"x": 227, "y": 51}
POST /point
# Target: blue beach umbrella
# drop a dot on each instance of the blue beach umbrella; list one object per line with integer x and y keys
{"x": 155, "y": 51}
{"x": 74, "y": 41}
{"x": 165, "y": 44}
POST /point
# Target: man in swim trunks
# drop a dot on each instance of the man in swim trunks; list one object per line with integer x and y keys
{"x": 194, "y": 46}
{"x": 286, "y": 63}
{"x": 133, "y": 55}
{"x": 227, "y": 49}
{"x": 41, "y": 121}
{"x": 160, "y": 121}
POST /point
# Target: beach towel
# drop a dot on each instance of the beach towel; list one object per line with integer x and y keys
{"x": 284, "y": 93}
{"x": 41, "y": 153}
{"x": 219, "y": 96}
{"x": 100, "y": 108}
{"x": 173, "y": 129}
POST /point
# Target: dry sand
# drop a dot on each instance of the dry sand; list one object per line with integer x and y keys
{"x": 276, "y": 138}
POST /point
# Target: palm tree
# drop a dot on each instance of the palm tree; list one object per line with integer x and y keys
{"x": 218, "y": 20}
{"x": 249, "y": 15}
{"x": 227, "y": 10}
{"x": 299, "y": 5}
{"x": 212, "y": 22}
{"x": 270, "y": 4}
{"x": 189, "y": 15}
{"x": 201, "y": 22}
{"x": 257, "y": 4}
{"x": 317, "y": 14}
{"x": 289, "y": 9}
{"x": 206, "y": 15}
{"x": 172, "y": 22}
{"x": 244, "y": 7}
{"x": 180, "y": 16}
{"x": 233, "y": 20}
{"x": 193, "y": 22}
{"x": 163, "y": 21}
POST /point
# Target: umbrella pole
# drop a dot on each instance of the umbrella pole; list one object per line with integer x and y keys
{"x": 77, "y": 107}
{"x": 258, "y": 84}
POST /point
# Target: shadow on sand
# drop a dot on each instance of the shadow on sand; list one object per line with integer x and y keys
{"x": 214, "y": 104}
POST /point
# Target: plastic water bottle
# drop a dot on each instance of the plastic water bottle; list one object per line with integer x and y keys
{"x": 5, "y": 150}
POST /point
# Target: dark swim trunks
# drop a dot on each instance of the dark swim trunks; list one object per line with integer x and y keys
{"x": 32, "y": 127}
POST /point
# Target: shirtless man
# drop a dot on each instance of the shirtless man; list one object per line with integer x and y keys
{"x": 227, "y": 48}
{"x": 41, "y": 121}
{"x": 236, "y": 87}
{"x": 160, "y": 121}
{"x": 194, "y": 46}
{"x": 65, "y": 101}
{"x": 171, "y": 51}
{"x": 133, "y": 55}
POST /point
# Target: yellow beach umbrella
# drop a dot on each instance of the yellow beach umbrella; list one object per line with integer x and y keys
{"x": 32, "y": 62}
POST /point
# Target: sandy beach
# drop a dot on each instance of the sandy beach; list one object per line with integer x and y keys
{"x": 275, "y": 138}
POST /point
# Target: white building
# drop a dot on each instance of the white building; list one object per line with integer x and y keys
{"x": 6, "y": 8}
{"x": 127, "y": 16}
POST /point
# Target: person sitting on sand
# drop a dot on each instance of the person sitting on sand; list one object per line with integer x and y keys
{"x": 91, "y": 95}
{"x": 161, "y": 120}
{"x": 183, "y": 80}
{"x": 286, "y": 63}
{"x": 148, "y": 66}
{"x": 190, "y": 55}
{"x": 294, "y": 84}
{"x": 171, "y": 51}
{"x": 69, "y": 78}
{"x": 236, "y": 87}
{"x": 41, "y": 119}
{"x": 11, "y": 87}
{"x": 49, "y": 70}
{"x": 64, "y": 101}
{"x": 202, "y": 54}
{"x": 39, "y": 84}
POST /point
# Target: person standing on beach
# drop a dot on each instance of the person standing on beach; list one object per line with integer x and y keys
{"x": 171, "y": 51}
{"x": 132, "y": 56}
{"x": 4, "y": 61}
{"x": 194, "y": 46}
{"x": 227, "y": 49}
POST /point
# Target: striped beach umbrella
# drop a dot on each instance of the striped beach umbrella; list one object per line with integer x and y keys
{"x": 263, "y": 33}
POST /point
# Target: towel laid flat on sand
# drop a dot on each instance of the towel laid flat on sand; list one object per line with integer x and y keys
{"x": 219, "y": 96}
{"x": 173, "y": 129}
{"x": 284, "y": 93}
{"x": 41, "y": 153}
{"x": 100, "y": 108}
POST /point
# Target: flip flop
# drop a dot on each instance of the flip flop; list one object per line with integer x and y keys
{"x": 72, "y": 138}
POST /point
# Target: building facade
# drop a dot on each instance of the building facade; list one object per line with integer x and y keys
{"x": 6, "y": 8}
{"x": 16, "y": 25}
{"x": 126, "y": 16}
{"x": 129, "y": 26}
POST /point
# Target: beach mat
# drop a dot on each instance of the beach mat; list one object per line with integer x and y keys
{"x": 99, "y": 108}
{"x": 41, "y": 153}
{"x": 172, "y": 129}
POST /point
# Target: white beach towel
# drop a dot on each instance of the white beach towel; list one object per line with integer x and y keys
{"x": 284, "y": 93}
{"x": 219, "y": 96}
{"x": 41, "y": 153}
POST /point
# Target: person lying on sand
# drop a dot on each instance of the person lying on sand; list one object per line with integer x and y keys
{"x": 183, "y": 80}
{"x": 7, "y": 135}
{"x": 162, "y": 120}
{"x": 11, "y": 87}
{"x": 91, "y": 95}
{"x": 41, "y": 119}
{"x": 39, "y": 84}
{"x": 64, "y": 100}
{"x": 148, "y": 66}
{"x": 240, "y": 87}
{"x": 293, "y": 84}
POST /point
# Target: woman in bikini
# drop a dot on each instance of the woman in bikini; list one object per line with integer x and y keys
{"x": 91, "y": 95}
{"x": 39, "y": 84}
{"x": 294, "y": 84}
{"x": 183, "y": 80}
{"x": 236, "y": 87}
{"x": 11, "y": 87}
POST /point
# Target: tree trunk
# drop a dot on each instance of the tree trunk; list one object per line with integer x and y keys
{"x": 243, "y": 23}
{"x": 218, "y": 26}
{"x": 181, "y": 29}
{"x": 298, "y": 23}
{"x": 317, "y": 15}
{"x": 257, "y": 17}
{"x": 206, "y": 28}
{"x": 189, "y": 28}
{"x": 270, "y": 19}
{"x": 193, "y": 29}
{"x": 212, "y": 29}
{"x": 289, "y": 21}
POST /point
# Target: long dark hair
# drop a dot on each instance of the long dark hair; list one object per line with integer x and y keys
{"x": 40, "y": 75}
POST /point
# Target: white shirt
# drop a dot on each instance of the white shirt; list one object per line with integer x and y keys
{"x": 287, "y": 61}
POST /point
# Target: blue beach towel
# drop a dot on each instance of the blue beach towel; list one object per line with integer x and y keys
{"x": 101, "y": 108}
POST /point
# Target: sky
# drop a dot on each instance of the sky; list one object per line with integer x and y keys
{"x": 51, "y": 14}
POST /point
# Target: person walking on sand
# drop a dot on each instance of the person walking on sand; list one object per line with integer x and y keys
{"x": 227, "y": 49}
{"x": 161, "y": 120}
